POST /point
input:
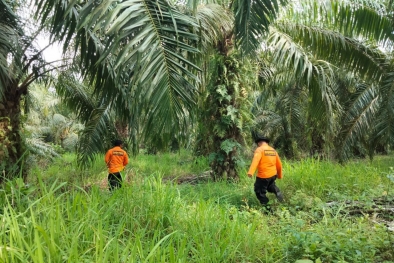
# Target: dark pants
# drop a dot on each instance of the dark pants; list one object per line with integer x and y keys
{"x": 264, "y": 185}
{"x": 114, "y": 180}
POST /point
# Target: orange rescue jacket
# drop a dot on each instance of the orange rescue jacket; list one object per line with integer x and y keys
{"x": 116, "y": 159}
{"x": 267, "y": 162}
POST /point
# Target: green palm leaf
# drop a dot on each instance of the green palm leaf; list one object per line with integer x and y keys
{"x": 384, "y": 129}
{"x": 91, "y": 141}
{"x": 8, "y": 40}
{"x": 358, "y": 118}
{"x": 252, "y": 20}
{"x": 334, "y": 47}
{"x": 215, "y": 23}
{"x": 135, "y": 55}
{"x": 353, "y": 19}
{"x": 94, "y": 113}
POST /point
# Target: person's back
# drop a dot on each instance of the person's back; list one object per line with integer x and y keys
{"x": 116, "y": 159}
{"x": 269, "y": 167}
{"x": 266, "y": 161}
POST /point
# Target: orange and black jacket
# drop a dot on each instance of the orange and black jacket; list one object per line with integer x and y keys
{"x": 116, "y": 159}
{"x": 267, "y": 162}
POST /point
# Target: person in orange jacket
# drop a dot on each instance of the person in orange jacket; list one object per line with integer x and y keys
{"x": 116, "y": 159}
{"x": 269, "y": 167}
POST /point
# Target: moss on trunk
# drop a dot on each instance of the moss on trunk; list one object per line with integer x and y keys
{"x": 11, "y": 144}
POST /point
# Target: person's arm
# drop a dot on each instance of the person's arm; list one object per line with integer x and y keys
{"x": 125, "y": 159}
{"x": 107, "y": 158}
{"x": 279, "y": 167}
{"x": 255, "y": 163}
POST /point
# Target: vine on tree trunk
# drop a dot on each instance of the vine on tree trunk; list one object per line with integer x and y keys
{"x": 225, "y": 115}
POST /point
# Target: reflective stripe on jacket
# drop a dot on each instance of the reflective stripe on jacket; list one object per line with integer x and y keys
{"x": 116, "y": 159}
{"x": 267, "y": 162}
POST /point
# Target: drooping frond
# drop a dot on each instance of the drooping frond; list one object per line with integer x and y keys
{"x": 91, "y": 140}
{"x": 38, "y": 146}
{"x": 333, "y": 47}
{"x": 283, "y": 116}
{"x": 40, "y": 98}
{"x": 215, "y": 23}
{"x": 75, "y": 95}
{"x": 269, "y": 121}
{"x": 94, "y": 113}
{"x": 8, "y": 40}
{"x": 384, "y": 129}
{"x": 316, "y": 74}
{"x": 354, "y": 19}
{"x": 135, "y": 54}
{"x": 358, "y": 118}
{"x": 289, "y": 102}
{"x": 290, "y": 55}
{"x": 155, "y": 37}
{"x": 252, "y": 20}
{"x": 323, "y": 100}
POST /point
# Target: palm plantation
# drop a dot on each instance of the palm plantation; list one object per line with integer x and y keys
{"x": 21, "y": 65}
{"x": 340, "y": 94}
{"x": 187, "y": 85}
{"x": 154, "y": 67}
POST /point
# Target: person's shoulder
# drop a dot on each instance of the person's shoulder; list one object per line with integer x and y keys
{"x": 259, "y": 149}
{"x": 272, "y": 149}
{"x": 109, "y": 150}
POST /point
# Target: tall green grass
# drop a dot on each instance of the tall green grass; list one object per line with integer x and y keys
{"x": 169, "y": 164}
{"x": 332, "y": 181}
{"x": 151, "y": 221}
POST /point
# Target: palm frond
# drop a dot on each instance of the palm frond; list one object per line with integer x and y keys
{"x": 323, "y": 100}
{"x": 385, "y": 121}
{"x": 353, "y": 19}
{"x": 135, "y": 52}
{"x": 94, "y": 113}
{"x": 40, "y": 98}
{"x": 358, "y": 118}
{"x": 289, "y": 54}
{"x": 76, "y": 96}
{"x": 215, "y": 23}
{"x": 92, "y": 140}
{"x": 316, "y": 74}
{"x": 286, "y": 109}
{"x": 39, "y": 147}
{"x": 8, "y": 41}
{"x": 269, "y": 121}
{"x": 252, "y": 20}
{"x": 333, "y": 47}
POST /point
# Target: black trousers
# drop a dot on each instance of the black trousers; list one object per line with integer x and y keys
{"x": 114, "y": 180}
{"x": 264, "y": 185}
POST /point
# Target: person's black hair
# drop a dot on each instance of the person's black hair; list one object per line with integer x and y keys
{"x": 261, "y": 139}
{"x": 117, "y": 143}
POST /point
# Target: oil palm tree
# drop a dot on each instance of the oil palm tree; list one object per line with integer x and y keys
{"x": 316, "y": 42}
{"x": 21, "y": 64}
{"x": 223, "y": 115}
{"x": 134, "y": 56}
{"x": 141, "y": 56}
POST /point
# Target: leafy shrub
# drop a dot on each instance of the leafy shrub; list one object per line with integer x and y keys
{"x": 70, "y": 142}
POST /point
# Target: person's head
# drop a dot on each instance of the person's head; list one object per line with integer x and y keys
{"x": 117, "y": 143}
{"x": 261, "y": 139}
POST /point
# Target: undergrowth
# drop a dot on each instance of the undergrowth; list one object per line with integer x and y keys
{"x": 55, "y": 218}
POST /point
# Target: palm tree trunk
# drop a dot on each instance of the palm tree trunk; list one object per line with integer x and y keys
{"x": 225, "y": 168}
{"x": 225, "y": 165}
{"x": 11, "y": 145}
{"x": 221, "y": 134}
